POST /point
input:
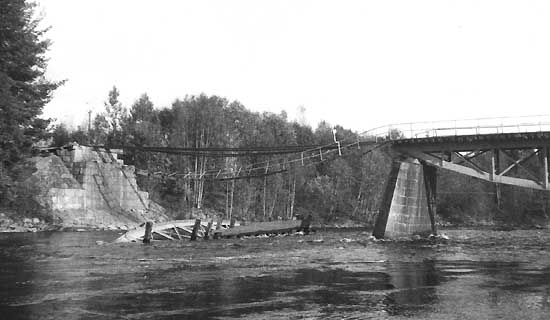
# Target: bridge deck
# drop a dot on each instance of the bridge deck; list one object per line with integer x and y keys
{"x": 460, "y": 143}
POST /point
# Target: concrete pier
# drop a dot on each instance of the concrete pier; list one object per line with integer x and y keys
{"x": 405, "y": 210}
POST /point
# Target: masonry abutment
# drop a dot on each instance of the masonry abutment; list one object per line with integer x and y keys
{"x": 103, "y": 189}
{"x": 408, "y": 205}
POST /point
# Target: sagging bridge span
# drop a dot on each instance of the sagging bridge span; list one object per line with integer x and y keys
{"x": 418, "y": 150}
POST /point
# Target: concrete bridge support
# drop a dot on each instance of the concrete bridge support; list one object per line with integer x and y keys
{"x": 409, "y": 203}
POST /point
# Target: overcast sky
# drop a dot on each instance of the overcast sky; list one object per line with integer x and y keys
{"x": 359, "y": 64}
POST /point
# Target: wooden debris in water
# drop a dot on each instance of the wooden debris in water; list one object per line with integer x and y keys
{"x": 148, "y": 232}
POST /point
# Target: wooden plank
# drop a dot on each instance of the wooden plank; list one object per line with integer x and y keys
{"x": 164, "y": 235}
{"x": 260, "y": 228}
{"x": 177, "y": 232}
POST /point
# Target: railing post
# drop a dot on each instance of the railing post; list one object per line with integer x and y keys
{"x": 456, "y": 132}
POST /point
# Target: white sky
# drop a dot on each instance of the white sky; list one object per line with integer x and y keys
{"x": 359, "y": 64}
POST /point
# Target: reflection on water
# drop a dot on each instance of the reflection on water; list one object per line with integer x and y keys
{"x": 476, "y": 274}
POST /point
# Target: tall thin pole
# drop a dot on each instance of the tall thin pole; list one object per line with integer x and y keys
{"x": 89, "y": 121}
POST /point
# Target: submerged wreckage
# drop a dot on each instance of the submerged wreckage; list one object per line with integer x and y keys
{"x": 197, "y": 229}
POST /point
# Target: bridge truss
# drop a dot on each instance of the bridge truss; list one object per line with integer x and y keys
{"x": 505, "y": 150}
{"x": 519, "y": 159}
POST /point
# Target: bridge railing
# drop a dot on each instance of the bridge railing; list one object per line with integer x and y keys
{"x": 426, "y": 129}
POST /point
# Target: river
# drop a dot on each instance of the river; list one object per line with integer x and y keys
{"x": 475, "y": 274}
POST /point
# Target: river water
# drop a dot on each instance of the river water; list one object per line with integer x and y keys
{"x": 327, "y": 275}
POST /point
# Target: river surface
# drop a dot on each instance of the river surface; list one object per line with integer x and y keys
{"x": 327, "y": 275}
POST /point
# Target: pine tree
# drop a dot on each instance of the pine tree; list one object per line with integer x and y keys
{"x": 24, "y": 90}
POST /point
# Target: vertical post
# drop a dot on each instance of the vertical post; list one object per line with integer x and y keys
{"x": 304, "y": 226}
{"x": 231, "y": 198}
{"x": 264, "y": 200}
{"x": 208, "y": 228}
{"x": 89, "y": 121}
{"x": 493, "y": 164}
{"x": 339, "y": 150}
{"x": 195, "y": 229}
{"x": 430, "y": 183}
{"x": 456, "y": 132}
{"x": 498, "y": 195}
{"x": 218, "y": 227}
{"x": 228, "y": 211}
{"x": 321, "y": 153}
{"x": 148, "y": 232}
{"x": 545, "y": 167}
{"x": 448, "y": 156}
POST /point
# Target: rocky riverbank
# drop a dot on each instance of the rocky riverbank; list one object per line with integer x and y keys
{"x": 12, "y": 223}
{"x": 7, "y": 224}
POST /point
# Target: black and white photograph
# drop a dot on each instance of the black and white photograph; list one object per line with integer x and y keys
{"x": 274, "y": 159}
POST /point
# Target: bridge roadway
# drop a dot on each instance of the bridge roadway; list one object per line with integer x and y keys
{"x": 463, "y": 143}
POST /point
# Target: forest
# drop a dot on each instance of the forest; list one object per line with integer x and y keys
{"x": 278, "y": 183}
{"x": 337, "y": 186}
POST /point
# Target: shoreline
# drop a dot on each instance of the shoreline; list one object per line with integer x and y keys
{"x": 30, "y": 226}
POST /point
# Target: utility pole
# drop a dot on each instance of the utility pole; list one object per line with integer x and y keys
{"x": 89, "y": 121}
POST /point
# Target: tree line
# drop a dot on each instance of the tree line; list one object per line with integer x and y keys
{"x": 338, "y": 188}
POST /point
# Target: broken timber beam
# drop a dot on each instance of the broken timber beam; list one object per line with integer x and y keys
{"x": 148, "y": 232}
{"x": 195, "y": 229}
{"x": 252, "y": 229}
